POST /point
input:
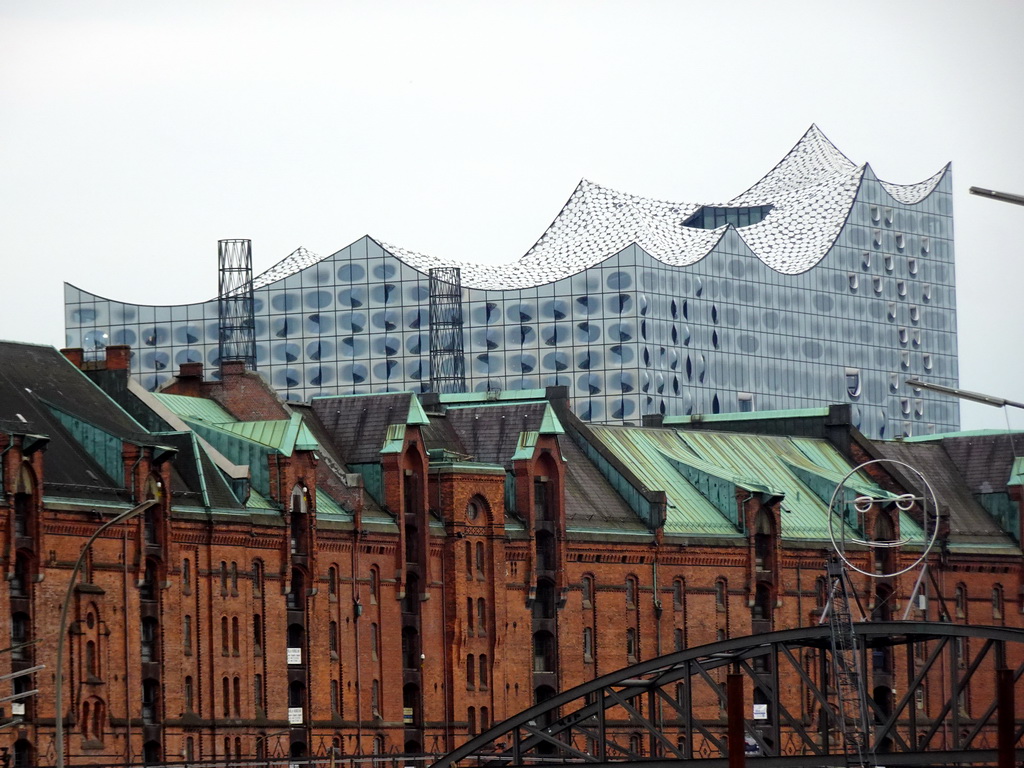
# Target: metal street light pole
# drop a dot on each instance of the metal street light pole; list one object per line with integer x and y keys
{"x": 965, "y": 394}
{"x": 1006, "y": 197}
{"x": 62, "y": 631}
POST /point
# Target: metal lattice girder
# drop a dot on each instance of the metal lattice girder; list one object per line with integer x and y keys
{"x": 674, "y": 704}
{"x": 235, "y": 303}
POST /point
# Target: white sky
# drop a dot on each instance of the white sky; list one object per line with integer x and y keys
{"x": 134, "y": 135}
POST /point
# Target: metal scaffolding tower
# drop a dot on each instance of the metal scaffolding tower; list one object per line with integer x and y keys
{"x": 235, "y": 303}
{"x": 447, "y": 361}
{"x": 847, "y": 671}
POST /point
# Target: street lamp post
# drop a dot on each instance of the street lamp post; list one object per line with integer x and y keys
{"x": 62, "y": 631}
{"x": 966, "y": 394}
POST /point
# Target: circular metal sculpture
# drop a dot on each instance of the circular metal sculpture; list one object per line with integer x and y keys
{"x": 926, "y": 502}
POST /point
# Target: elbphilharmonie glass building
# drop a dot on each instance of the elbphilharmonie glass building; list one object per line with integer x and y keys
{"x": 819, "y": 284}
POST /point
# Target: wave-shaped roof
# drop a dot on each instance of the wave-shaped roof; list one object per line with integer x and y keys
{"x": 810, "y": 192}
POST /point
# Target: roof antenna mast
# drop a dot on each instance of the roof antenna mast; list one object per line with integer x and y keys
{"x": 237, "y": 338}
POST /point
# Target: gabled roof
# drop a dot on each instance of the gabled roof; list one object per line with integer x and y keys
{"x": 358, "y": 424}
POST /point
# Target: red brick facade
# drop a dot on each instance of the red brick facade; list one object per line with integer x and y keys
{"x": 216, "y": 635}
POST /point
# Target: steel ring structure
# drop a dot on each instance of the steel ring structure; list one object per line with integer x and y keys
{"x": 933, "y": 702}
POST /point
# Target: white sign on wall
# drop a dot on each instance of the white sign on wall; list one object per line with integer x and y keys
{"x": 294, "y": 655}
{"x": 294, "y": 715}
{"x": 760, "y": 711}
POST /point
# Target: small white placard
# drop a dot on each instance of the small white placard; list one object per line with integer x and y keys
{"x": 294, "y": 655}
{"x": 295, "y": 715}
{"x": 760, "y": 711}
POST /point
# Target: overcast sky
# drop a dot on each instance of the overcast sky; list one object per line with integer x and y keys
{"x": 134, "y": 135}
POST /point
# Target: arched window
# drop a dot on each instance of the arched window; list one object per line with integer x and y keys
{"x": 720, "y": 594}
{"x": 588, "y": 644}
{"x": 481, "y": 616}
{"x": 224, "y": 636}
{"x": 257, "y": 634}
{"x": 189, "y": 694}
{"x": 471, "y": 720}
{"x": 997, "y": 602}
{"x": 631, "y": 592}
{"x": 762, "y": 602}
{"x": 299, "y": 504}
{"x": 469, "y": 559}
{"x": 226, "y": 695}
{"x": 23, "y": 503}
{"x": 234, "y": 635}
{"x": 296, "y": 597}
{"x": 485, "y": 719}
{"x": 678, "y": 639}
{"x": 884, "y": 532}
{"x": 374, "y": 642}
{"x": 588, "y": 591}
{"x": 678, "y": 592}
{"x": 236, "y": 688}
{"x": 333, "y": 638}
{"x": 257, "y": 577}
{"x": 484, "y": 676}
{"x": 147, "y": 589}
{"x": 960, "y": 604}
{"x": 480, "y": 559}
{"x": 631, "y": 644}
{"x": 470, "y": 672}
{"x": 90, "y": 659}
{"x": 149, "y": 632}
{"x": 763, "y": 542}
{"x": 186, "y": 576}
{"x": 332, "y": 582}
{"x": 21, "y": 576}
{"x": 20, "y": 637}
{"x": 150, "y": 701}
{"x": 374, "y": 584}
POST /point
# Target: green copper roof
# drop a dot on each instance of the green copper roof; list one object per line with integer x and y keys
{"x": 700, "y": 471}
{"x": 416, "y": 413}
{"x": 327, "y": 506}
{"x": 196, "y": 408}
{"x": 749, "y": 416}
{"x": 496, "y": 396}
{"x": 1017, "y": 472}
{"x": 283, "y": 435}
{"x": 550, "y": 425}
{"x": 258, "y": 501}
{"x": 394, "y": 438}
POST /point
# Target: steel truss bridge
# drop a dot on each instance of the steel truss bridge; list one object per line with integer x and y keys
{"x": 932, "y": 691}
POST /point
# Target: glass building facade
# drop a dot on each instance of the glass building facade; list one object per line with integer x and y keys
{"x": 821, "y": 284}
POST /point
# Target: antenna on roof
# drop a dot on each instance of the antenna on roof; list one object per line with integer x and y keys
{"x": 235, "y": 303}
{"x": 447, "y": 360}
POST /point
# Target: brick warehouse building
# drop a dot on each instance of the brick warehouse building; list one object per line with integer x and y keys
{"x": 392, "y": 572}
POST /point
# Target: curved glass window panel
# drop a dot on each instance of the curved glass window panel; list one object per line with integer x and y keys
{"x": 418, "y": 370}
{"x": 487, "y": 363}
{"x": 84, "y": 315}
{"x": 641, "y": 301}
{"x": 714, "y": 339}
{"x": 283, "y": 327}
{"x": 587, "y": 333}
{"x": 555, "y": 309}
{"x": 188, "y": 356}
{"x": 620, "y": 354}
{"x": 387, "y": 370}
{"x": 155, "y": 336}
{"x": 351, "y": 321}
{"x": 523, "y": 363}
{"x": 812, "y": 350}
{"x": 588, "y": 359}
{"x": 352, "y": 346}
{"x": 383, "y": 293}
{"x": 645, "y": 382}
{"x": 619, "y": 303}
{"x": 747, "y": 343}
{"x": 351, "y": 273}
{"x": 689, "y": 368}
{"x": 355, "y": 373}
{"x": 673, "y": 358}
{"x": 319, "y": 375}
{"x": 123, "y": 336}
{"x": 387, "y": 345}
{"x": 95, "y": 339}
{"x": 589, "y": 383}
{"x": 553, "y": 335}
{"x": 417, "y": 318}
{"x": 385, "y": 271}
{"x": 622, "y": 408}
{"x": 156, "y": 361}
{"x": 317, "y": 324}
{"x": 701, "y": 368}
{"x": 317, "y": 350}
{"x": 352, "y": 297}
{"x": 386, "y": 320}
{"x": 417, "y": 344}
{"x": 585, "y": 305}
{"x": 286, "y": 353}
{"x": 624, "y": 381}
{"x": 623, "y": 331}
{"x": 519, "y": 313}
{"x": 619, "y": 281}
{"x": 417, "y": 292}
{"x": 319, "y": 299}
{"x": 592, "y": 409}
{"x": 527, "y": 335}
{"x": 698, "y": 286}
{"x": 187, "y": 334}
{"x": 285, "y": 301}
{"x": 556, "y": 361}
{"x": 713, "y": 217}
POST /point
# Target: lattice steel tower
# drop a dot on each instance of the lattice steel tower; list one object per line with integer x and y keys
{"x": 235, "y": 303}
{"x": 447, "y": 361}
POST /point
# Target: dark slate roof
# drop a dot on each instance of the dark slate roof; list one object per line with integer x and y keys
{"x": 347, "y": 496}
{"x": 31, "y": 377}
{"x": 357, "y": 425}
{"x": 490, "y": 433}
{"x": 591, "y": 503}
{"x": 984, "y": 461}
{"x": 969, "y": 522}
{"x": 440, "y": 434}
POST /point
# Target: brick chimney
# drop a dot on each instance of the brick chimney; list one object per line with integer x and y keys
{"x": 76, "y": 355}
